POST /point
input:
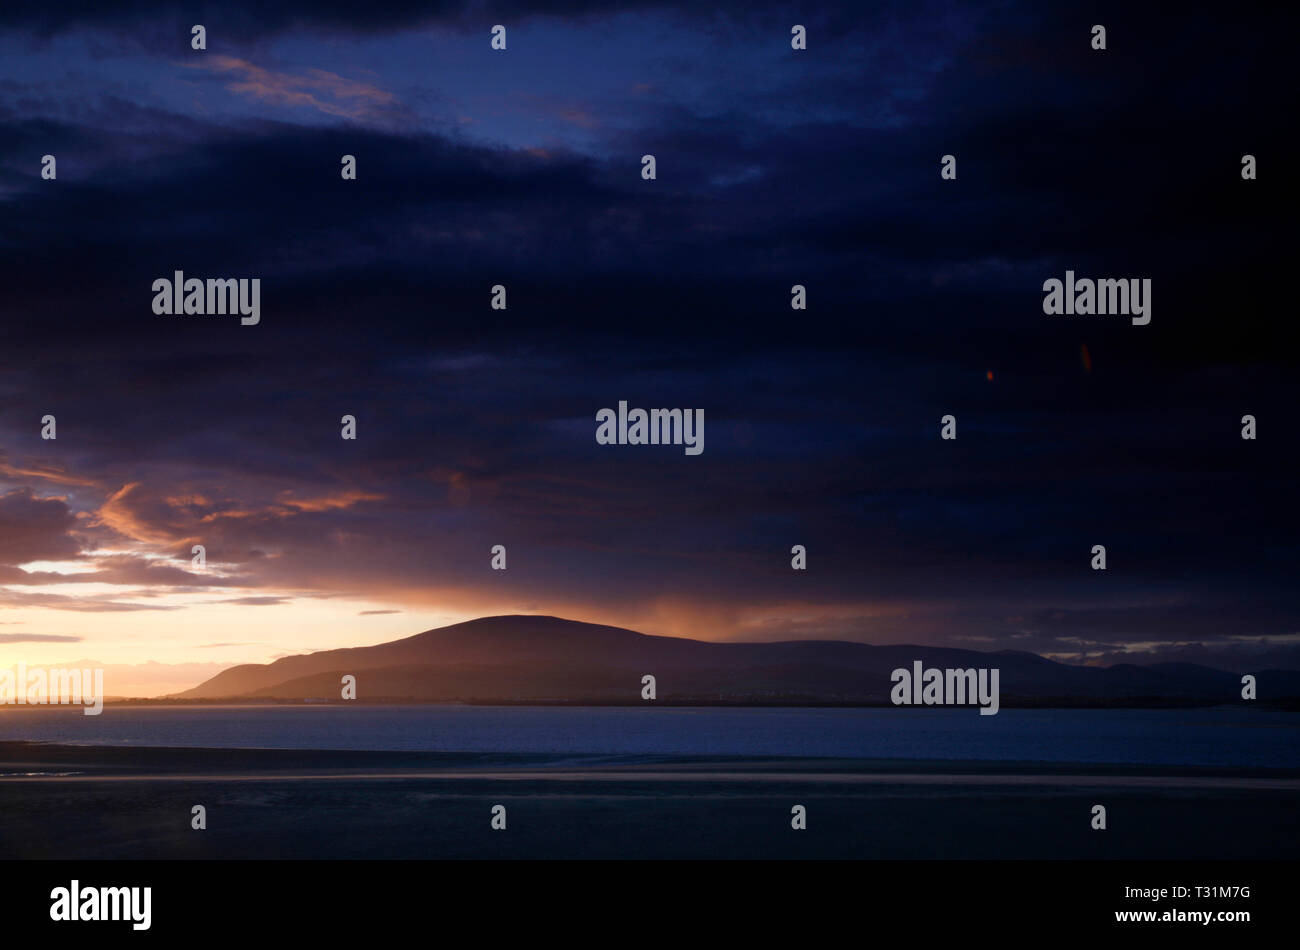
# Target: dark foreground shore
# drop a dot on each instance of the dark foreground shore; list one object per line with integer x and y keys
{"x": 83, "y": 802}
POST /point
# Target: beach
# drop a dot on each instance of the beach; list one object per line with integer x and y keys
{"x": 61, "y": 801}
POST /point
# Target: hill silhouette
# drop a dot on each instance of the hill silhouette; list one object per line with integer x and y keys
{"x": 549, "y": 659}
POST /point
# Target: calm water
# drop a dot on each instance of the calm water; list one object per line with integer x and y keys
{"x": 1221, "y": 736}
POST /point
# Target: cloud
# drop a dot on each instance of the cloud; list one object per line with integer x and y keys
{"x": 37, "y": 638}
{"x": 43, "y": 473}
{"x": 477, "y": 425}
{"x": 162, "y": 20}
{"x": 87, "y": 604}
{"x": 148, "y": 572}
{"x": 316, "y": 89}
{"x": 227, "y": 526}
{"x": 344, "y": 499}
{"x": 123, "y": 512}
{"x": 35, "y": 528}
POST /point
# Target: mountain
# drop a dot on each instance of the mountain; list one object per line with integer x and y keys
{"x": 548, "y": 659}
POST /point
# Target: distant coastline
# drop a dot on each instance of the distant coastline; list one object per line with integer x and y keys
{"x": 1009, "y": 702}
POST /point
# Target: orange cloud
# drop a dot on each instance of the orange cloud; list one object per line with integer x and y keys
{"x": 316, "y": 89}
{"x": 46, "y": 472}
{"x": 330, "y": 503}
{"x": 117, "y": 514}
{"x": 170, "y": 520}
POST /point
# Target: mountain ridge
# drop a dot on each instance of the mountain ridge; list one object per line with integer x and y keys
{"x": 524, "y": 657}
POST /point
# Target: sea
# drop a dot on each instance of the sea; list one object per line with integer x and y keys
{"x": 1220, "y": 736}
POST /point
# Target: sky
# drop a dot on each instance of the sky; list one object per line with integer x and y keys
{"x": 476, "y": 426}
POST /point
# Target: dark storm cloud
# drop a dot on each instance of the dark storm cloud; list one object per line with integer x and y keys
{"x": 344, "y": 16}
{"x": 34, "y": 528}
{"x": 476, "y": 426}
{"x": 251, "y": 20}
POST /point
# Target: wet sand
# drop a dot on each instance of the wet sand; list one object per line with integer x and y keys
{"x": 82, "y": 802}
